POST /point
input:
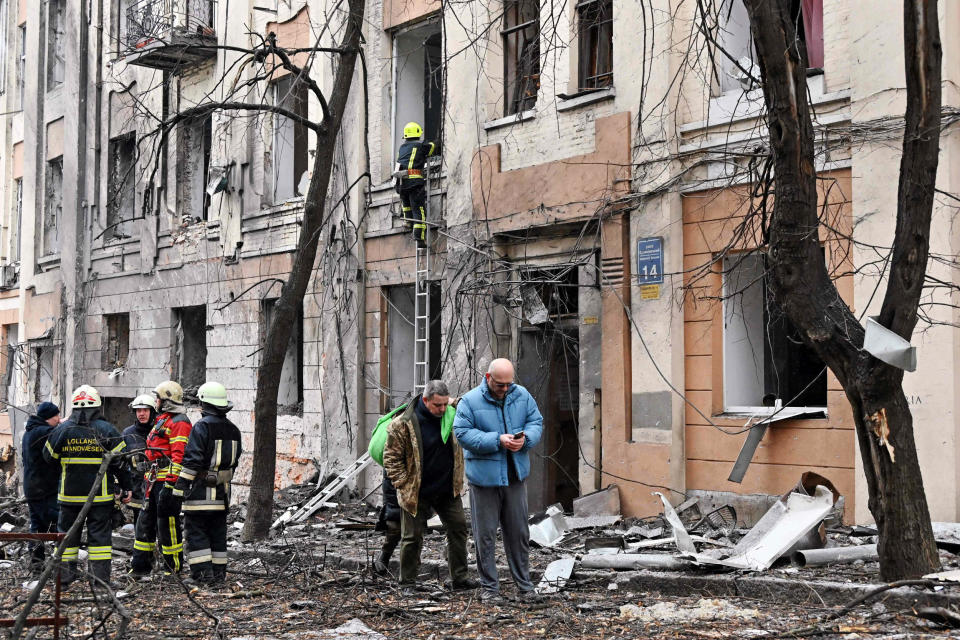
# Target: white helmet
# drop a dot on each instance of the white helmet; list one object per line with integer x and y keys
{"x": 213, "y": 393}
{"x": 144, "y": 401}
{"x": 85, "y": 397}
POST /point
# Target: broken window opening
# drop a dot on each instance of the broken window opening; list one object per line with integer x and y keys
{"x": 290, "y": 394}
{"x": 737, "y": 43}
{"x": 595, "y": 44}
{"x": 121, "y": 195}
{"x": 17, "y": 220}
{"x": 4, "y": 45}
{"x": 9, "y": 365}
{"x": 52, "y": 205}
{"x": 521, "y": 48}
{"x": 56, "y": 45}
{"x": 766, "y": 365}
{"x": 116, "y": 340}
{"x": 418, "y": 82}
{"x": 194, "y": 141}
{"x": 289, "y": 140}
{"x": 21, "y": 64}
{"x": 190, "y": 348}
{"x": 43, "y": 372}
{"x": 400, "y": 343}
{"x": 548, "y": 293}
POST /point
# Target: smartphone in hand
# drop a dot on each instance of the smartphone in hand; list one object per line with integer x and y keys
{"x": 518, "y": 435}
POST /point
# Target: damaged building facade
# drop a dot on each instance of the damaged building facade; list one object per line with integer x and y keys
{"x": 591, "y": 204}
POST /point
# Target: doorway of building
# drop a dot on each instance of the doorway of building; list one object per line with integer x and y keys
{"x": 548, "y": 366}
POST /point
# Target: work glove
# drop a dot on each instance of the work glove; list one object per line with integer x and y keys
{"x": 169, "y": 501}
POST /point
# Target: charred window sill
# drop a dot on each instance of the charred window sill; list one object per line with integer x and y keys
{"x": 48, "y": 263}
{"x": 584, "y": 98}
{"x": 521, "y": 116}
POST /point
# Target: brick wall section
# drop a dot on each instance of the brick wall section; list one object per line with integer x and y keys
{"x": 791, "y": 447}
{"x": 551, "y": 192}
{"x": 233, "y": 343}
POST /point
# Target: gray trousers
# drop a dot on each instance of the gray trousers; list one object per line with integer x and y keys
{"x": 506, "y": 508}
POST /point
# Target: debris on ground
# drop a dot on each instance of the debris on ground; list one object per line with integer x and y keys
{"x": 676, "y": 612}
{"x": 314, "y": 579}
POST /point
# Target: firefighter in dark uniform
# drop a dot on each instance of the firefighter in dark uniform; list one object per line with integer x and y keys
{"x": 204, "y": 485}
{"x": 411, "y": 181}
{"x": 161, "y": 511}
{"x": 79, "y": 445}
{"x": 144, "y": 415}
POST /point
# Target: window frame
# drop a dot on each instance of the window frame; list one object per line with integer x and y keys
{"x": 55, "y": 34}
{"x": 4, "y": 43}
{"x": 115, "y": 227}
{"x": 738, "y": 294}
{"x": 267, "y": 309}
{"x": 396, "y": 127}
{"x": 289, "y": 91}
{"x": 116, "y": 328}
{"x": 590, "y": 21}
{"x": 45, "y": 213}
{"x": 21, "y": 65}
{"x": 188, "y": 133}
{"x": 516, "y": 84}
{"x": 17, "y": 218}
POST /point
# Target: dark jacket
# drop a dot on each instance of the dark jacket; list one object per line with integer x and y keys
{"x": 135, "y": 436}
{"x": 78, "y": 444}
{"x": 40, "y": 478}
{"x": 412, "y": 157}
{"x": 209, "y": 460}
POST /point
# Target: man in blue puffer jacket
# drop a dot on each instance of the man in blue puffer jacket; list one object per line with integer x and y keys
{"x": 497, "y": 423}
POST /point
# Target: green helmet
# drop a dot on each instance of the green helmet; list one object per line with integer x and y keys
{"x": 412, "y": 130}
{"x": 213, "y": 393}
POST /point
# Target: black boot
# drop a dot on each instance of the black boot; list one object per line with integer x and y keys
{"x": 68, "y": 574}
{"x": 100, "y": 569}
{"x": 219, "y": 575}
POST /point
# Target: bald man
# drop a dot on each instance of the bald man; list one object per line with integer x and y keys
{"x": 497, "y": 423}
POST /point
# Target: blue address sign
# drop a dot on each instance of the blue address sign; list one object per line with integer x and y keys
{"x": 650, "y": 261}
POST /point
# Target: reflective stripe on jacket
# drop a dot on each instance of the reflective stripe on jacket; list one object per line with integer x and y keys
{"x": 166, "y": 443}
{"x": 210, "y": 458}
{"x": 412, "y": 156}
{"x": 79, "y": 448}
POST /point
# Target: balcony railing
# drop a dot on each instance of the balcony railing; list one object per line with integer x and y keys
{"x": 158, "y": 25}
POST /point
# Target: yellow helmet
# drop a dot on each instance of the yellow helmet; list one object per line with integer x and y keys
{"x": 169, "y": 390}
{"x": 412, "y": 130}
{"x": 84, "y": 397}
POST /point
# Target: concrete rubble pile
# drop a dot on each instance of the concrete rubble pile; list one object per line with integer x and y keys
{"x": 802, "y": 529}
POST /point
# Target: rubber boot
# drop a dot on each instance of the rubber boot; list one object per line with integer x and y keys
{"x": 68, "y": 573}
{"x": 382, "y": 564}
{"x": 218, "y": 578}
{"x": 37, "y": 556}
{"x": 100, "y": 569}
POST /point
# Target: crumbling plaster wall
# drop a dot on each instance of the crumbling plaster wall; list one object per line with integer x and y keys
{"x": 184, "y": 267}
{"x": 932, "y": 391}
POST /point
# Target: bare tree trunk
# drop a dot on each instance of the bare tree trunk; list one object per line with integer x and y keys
{"x": 802, "y": 286}
{"x": 260, "y": 501}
